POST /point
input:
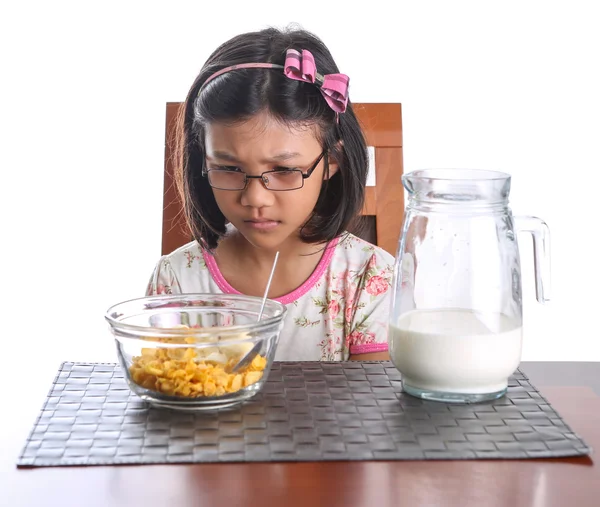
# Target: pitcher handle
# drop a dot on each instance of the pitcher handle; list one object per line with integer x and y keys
{"x": 541, "y": 253}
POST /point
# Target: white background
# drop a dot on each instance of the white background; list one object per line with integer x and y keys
{"x": 510, "y": 85}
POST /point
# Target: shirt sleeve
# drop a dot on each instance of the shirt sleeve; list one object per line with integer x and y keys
{"x": 163, "y": 279}
{"x": 370, "y": 307}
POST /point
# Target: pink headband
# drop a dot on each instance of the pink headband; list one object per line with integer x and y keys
{"x": 301, "y": 67}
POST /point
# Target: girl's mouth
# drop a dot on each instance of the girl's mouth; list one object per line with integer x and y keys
{"x": 261, "y": 224}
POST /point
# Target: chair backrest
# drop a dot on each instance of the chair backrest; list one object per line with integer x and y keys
{"x": 384, "y": 200}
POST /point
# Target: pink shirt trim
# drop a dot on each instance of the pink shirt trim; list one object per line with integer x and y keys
{"x": 324, "y": 263}
{"x": 368, "y": 348}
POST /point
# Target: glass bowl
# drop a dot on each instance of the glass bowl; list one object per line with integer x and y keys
{"x": 177, "y": 351}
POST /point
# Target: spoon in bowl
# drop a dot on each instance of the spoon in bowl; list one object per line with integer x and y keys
{"x": 247, "y": 359}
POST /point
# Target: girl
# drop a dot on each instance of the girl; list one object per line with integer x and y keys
{"x": 271, "y": 157}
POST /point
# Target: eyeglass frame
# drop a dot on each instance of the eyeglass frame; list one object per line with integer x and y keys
{"x": 306, "y": 175}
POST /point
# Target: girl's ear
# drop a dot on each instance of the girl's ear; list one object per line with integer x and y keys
{"x": 332, "y": 155}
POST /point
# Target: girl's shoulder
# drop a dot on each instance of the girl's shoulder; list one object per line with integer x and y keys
{"x": 351, "y": 248}
{"x": 188, "y": 256}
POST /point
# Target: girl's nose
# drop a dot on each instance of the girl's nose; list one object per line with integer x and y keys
{"x": 256, "y": 195}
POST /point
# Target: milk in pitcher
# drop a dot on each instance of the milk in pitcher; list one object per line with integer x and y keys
{"x": 456, "y": 350}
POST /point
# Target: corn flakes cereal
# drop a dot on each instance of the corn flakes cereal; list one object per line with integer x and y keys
{"x": 192, "y": 373}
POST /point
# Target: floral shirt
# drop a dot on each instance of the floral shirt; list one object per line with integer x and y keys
{"x": 341, "y": 309}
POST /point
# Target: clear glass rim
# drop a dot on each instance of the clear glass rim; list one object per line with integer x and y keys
{"x": 147, "y": 332}
{"x": 453, "y": 174}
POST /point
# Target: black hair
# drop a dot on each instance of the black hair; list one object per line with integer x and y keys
{"x": 242, "y": 93}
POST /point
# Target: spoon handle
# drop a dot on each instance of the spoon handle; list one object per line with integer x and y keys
{"x": 262, "y": 306}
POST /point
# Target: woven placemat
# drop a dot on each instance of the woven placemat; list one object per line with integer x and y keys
{"x": 307, "y": 411}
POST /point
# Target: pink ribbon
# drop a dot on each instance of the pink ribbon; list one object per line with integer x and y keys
{"x": 334, "y": 87}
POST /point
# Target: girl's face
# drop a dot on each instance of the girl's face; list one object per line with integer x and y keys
{"x": 266, "y": 218}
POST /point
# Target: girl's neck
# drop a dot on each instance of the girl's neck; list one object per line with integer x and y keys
{"x": 247, "y": 268}
{"x": 289, "y": 251}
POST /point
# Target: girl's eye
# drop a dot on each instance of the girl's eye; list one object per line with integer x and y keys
{"x": 285, "y": 170}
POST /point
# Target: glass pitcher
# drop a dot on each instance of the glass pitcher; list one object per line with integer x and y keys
{"x": 455, "y": 330}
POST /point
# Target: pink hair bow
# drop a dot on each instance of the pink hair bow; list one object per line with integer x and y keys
{"x": 334, "y": 87}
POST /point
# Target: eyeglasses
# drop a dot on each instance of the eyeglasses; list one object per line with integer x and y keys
{"x": 281, "y": 180}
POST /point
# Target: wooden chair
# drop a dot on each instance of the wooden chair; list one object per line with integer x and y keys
{"x": 382, "y": 124}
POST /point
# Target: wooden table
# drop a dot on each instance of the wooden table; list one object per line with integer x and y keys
{"x": 557, "y": 482}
